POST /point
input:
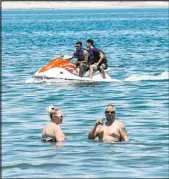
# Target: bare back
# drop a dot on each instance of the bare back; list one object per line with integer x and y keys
{"x": 51, "y": 129}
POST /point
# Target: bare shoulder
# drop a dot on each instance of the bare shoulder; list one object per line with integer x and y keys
{"x": 47, "y": 125}
{"x": 53, "y": 126}
{"x": 57, "y": 127}
{"x": 85, "y": 52}
{"x": 120, "y": 123}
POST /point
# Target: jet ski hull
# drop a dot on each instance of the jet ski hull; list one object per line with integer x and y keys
{"x": 63, "y": 69}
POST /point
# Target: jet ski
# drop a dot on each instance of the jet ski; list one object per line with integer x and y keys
{"x": 62, "y": 68}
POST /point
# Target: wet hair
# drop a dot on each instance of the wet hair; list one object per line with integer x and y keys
{"x": 79, "y": 43}
{"x": 52, "y": 110}
{"x": 111, "y": 106}
{"x": 90, "y": 41}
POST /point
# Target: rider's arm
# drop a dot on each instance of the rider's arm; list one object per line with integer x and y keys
{"x": 73, "y": 55}
{"x": 86, "y": 56}
{"x": 101, "y": 57}
{"x": 123, "y": 133}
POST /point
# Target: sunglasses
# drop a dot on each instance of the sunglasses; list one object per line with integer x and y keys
{"x": 61, "y": 117}
{"x": 107, "y": 112}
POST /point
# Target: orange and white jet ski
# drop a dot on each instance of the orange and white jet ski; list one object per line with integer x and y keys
{"x": 62, "y": 68}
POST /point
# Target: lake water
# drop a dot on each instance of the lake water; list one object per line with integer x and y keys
{"x": 136, "y": 45}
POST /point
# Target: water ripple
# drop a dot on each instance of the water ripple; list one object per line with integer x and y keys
{"x": 136, "y": 44}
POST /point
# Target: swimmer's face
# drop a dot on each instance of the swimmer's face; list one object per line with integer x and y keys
{"x": 59, "y": 119}
{"x": 110, "y": 112}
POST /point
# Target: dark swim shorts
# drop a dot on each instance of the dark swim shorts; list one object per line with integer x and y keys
{"x": 48, "y": 139}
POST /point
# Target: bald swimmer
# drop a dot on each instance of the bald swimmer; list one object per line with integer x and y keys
{"x": 111, "y": 130}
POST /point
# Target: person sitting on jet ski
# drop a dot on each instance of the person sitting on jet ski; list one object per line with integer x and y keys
{"x": 82, "y": 56}
{"x": 97, "y": 59}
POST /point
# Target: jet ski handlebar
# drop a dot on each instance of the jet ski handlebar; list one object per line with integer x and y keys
{"x": 67, "y": 57}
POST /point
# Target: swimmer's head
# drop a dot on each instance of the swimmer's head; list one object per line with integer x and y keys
{"x": 110, "y": 112}
{"x": 50, "y": 109}
{"x": 56, "y": 115}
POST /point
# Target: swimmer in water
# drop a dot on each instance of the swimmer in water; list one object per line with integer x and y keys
{"x": 52, "y": 131}
{"x": 111, "y": 130}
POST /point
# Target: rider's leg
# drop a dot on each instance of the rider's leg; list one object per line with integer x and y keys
{"x": 91, "y": 71}
{"x": 102, "y": 67}
{"x": 81, "y": 67}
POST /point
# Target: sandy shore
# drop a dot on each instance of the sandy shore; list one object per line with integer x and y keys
{"x": 11, "y": 5}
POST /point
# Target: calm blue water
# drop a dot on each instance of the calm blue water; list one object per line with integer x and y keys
{"x": 136, "y": 44}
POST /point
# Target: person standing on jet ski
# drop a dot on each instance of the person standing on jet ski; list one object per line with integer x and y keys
{"x": 97, "y": 59}
{"x": 82, "y": 56}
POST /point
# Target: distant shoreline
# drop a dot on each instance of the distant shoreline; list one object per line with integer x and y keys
{"x": 81, "y": 5}
{"x": 81, "y": 9}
